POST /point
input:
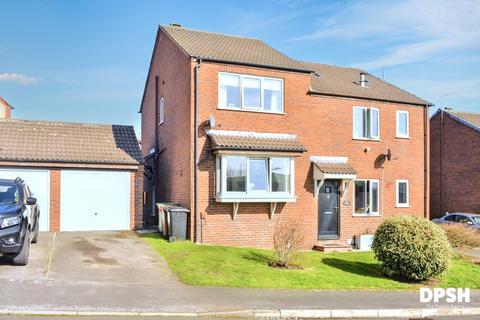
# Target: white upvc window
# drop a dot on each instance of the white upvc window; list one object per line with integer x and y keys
{"x": 403, "y": 193}
{"x": 366, "y": 123}
{"x": 245, "y": 177}
{"x": 403, "y": 124}
{"x": 367, "y": 197}
{"x": 161, "y": 110}
{"x": 250, "y": 93}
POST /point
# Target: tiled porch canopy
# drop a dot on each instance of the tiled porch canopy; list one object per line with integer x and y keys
{"x": 255, "y": 141}
{"x": 332, "y": 168}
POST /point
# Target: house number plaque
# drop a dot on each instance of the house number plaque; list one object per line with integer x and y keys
{"x": 347, "y": 203}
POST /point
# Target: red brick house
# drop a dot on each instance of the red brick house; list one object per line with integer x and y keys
{"x": 455, "y": 139}
{"x": 245, "y": 136}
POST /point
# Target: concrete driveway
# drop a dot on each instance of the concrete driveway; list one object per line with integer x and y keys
{"x": 96, "y": 257}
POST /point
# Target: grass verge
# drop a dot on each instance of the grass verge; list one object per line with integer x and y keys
{"x": 205, "y": 265}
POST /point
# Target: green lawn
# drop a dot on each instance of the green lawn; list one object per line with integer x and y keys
{"x": 205, "y": 265}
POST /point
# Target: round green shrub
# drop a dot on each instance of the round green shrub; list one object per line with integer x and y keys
{"x": 411, "y": 248}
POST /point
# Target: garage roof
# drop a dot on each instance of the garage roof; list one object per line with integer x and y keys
{"x": 46, "y": 141}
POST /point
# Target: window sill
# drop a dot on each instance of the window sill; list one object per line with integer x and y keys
{"x": 404, "y": 206}
{"x": 403, "y": 137}
{"x": 253, "y": 199}
{"x": 366, "y": 139}
{"x": 251, "y": 110}
{"x": 366, "y": 215}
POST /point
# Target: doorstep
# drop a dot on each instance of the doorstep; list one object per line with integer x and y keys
{"x": 332, "y": 246}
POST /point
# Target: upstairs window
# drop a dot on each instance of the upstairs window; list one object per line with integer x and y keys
{"x": 403, "y": 126}
{"x": 229, "y": 91}
{"x": 250, "y": 93}
{"x": 366, "y": 123}
{"x": 367, "y": 197}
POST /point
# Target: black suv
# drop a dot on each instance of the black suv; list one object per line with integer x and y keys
{"x": 19, "y": 220}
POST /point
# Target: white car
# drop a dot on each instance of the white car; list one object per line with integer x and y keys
{"x": 469, "y": 219}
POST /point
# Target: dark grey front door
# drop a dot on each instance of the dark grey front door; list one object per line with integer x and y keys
{"x": 328, "y": 210}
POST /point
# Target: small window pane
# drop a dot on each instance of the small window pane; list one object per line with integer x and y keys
{"x": 229, "y": 93}
{"x": 359, "y": 122}
{"x": 360, "y": 197}
{"x": 402, "y": 193}
{"x": 251, "y": 92}
{"x": 374, "y": 197}
{"x": 272, "y": 95}
{"x": 374, "y": 123}
{"x": 236, "y": 173}
{"x": 257, "y": 174}
{"x": 161, "y": 114}
{"x": 403, "y": 124}
{"x": 280, "y": 174}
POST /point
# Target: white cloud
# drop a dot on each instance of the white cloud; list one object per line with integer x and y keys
{"x": 411, "y": 30}
{"x": 18, "y": 78}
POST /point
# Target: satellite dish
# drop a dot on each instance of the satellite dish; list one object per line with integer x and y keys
{"x": 211, "y": 120}
{"x": 389, "y": 154}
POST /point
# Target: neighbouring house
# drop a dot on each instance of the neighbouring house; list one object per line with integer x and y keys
{"x": 245, "y": 136}
{"x": 455, "y": 162}
{"x": 85, "y": 176}
{"x": 5, "y": 109}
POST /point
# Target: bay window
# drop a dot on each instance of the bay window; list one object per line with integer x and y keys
{"x": 236, "y": 174}
{"x": 250, "y": 93}
{"x": 366, "y": 197}
{"x": 258, "y": 178}
{"x": 366, "y": 123}
{"x": 257, "y": 174}
{"x": 280, "y": 168}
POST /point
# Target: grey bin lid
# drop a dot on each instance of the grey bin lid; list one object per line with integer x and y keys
{"x": 171, "y": 207}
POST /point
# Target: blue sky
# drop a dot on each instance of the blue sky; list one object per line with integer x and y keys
{"x": 87, "y": 60}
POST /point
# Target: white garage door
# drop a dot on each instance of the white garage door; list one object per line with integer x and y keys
{"x": 39, "y": 183}
{"x": 95, "y": 200}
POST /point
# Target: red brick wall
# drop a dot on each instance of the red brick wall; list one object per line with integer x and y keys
{"x": 8, "y": 113}
{"x": 455, "y": 164}
{"x": 136, "y": 197}
{"x": 55, "y": 186}
{"x": 324, "y": 125}
{"x": 172, "y": 69}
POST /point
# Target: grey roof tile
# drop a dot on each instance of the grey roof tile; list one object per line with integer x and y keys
{"x": 233, "y": 49}
{"x": 46, "y": 141}
{"x": 343, "y": 81}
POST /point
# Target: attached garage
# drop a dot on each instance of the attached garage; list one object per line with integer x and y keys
{"x": 94, "y": 200}
{"x": 38, "y": 181}
{"x": 85, "y": 177}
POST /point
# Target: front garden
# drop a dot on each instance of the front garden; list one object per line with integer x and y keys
{"x": 206, "y": 265}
